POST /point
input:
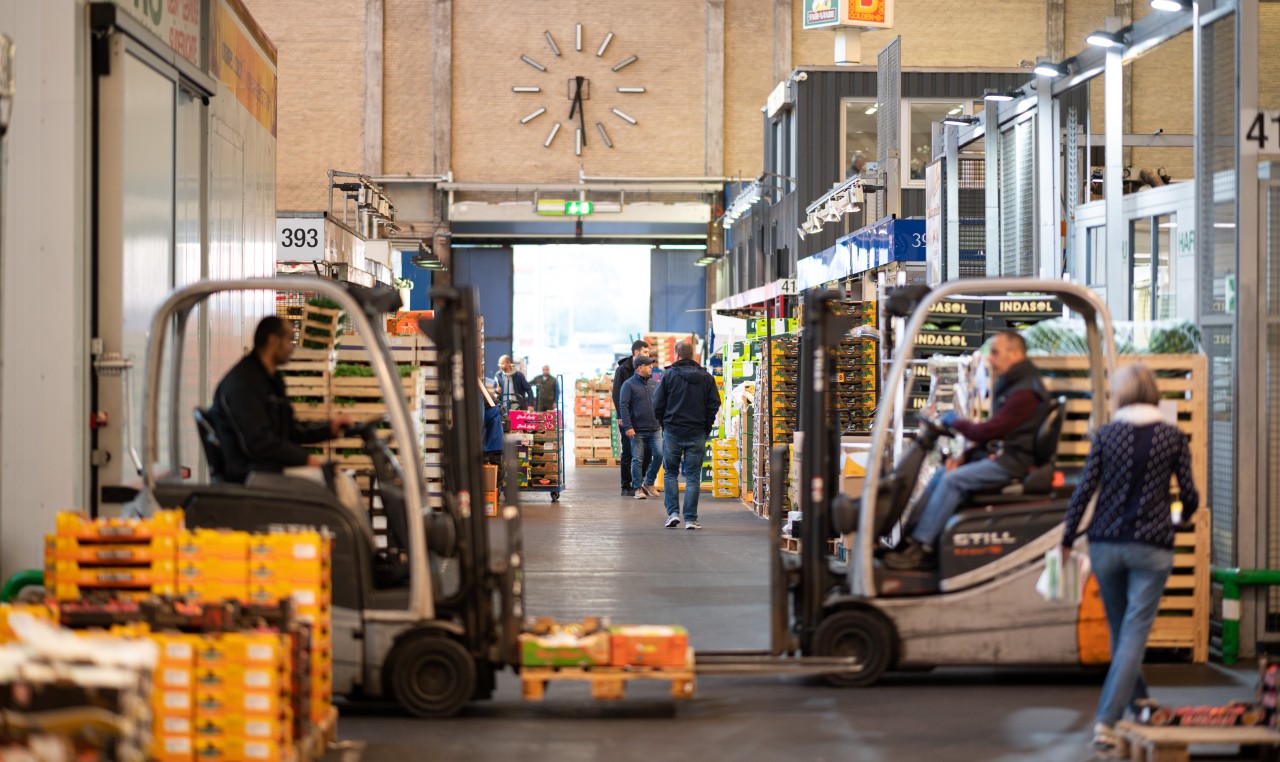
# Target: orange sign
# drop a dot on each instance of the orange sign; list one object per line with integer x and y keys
{"x": 242, "y": 67}
{"x": 870, "y": 13}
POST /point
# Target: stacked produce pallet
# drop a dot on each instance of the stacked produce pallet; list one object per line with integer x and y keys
{"x": 594, "y": 426}
{"x": 784, "y": 381}
{"x": 662, "y": 346}
{"x": 724, "y": 464}
{"x": 856, "y": 372}
{"x": 134, "y": 558}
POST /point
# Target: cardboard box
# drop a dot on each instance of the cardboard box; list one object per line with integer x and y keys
{"x": 563, "y": 649}
{"x": 490, "y": 478}
{"x": 491, "y": 504}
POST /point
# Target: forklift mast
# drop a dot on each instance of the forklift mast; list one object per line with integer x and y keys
{"x": 453, "y": 329}
{"x": 820, "y": 443}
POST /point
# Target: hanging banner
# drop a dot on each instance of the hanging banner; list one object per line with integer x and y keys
{"x": 242, "y": 67}
{"x": 935, "y": 257}
{"x": 177, "y": 22}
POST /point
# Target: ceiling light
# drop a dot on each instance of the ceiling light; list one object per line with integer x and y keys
{"x": 996, "y": 95}
{"x": 955, "y": 111}
{"x": 873, "y": 108}
{"x": 830, "y": 213}
{"x": 1171, "y": 5}
{"x": 960, "y": 121}
{"x": 1106, "y": 39}
{"x": 1049, "y": 69}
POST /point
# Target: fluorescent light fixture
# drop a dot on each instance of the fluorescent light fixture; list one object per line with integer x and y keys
{"x": 1224, "y": 225}
{"x": 996, "y": 95}
{"x": 873, "y": 108}
{"x": 682, "y": 246}
{"x": 1168, "y": 225}
{"x": 1049, "y": 69}
{"x": 960, "y": 121}
{"x": 955, "y": 111}
{"x": 1106, "y": 39}
{"x": 1171, "y": 5}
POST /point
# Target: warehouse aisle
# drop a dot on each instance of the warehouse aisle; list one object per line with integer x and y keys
{"x": 598, "y": 553}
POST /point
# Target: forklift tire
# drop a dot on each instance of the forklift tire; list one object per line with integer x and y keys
{"x": 430, "y": 675}
{"x": 858, "y": 633}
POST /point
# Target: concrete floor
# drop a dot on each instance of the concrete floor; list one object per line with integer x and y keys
{"x": 595, "y": 553}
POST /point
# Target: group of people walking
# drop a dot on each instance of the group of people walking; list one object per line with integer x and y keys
{"x": 515, "y": 392}
{"x": 665, "y": 424}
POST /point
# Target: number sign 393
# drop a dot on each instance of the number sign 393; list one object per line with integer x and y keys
{"x": 299, "y": 239}
{"x": 1260, "y": 132}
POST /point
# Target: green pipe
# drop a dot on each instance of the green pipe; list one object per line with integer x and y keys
{"x": 14, "y": 584}
{"x": 1232, "y": 580}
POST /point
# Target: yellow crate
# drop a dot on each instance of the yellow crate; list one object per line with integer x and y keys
{"x": 71, "y": 549}
{"x": 71, "y": 524}
{"x": 295, "y": 573}
{"x": 173, "y": 702}
{"x": 204, "y": 545}
{"x": 172, "y": 748}
{"x": 296, "y": 546}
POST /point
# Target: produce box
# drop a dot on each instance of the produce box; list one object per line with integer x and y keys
{"x": 563, "y": 649}
{"x": 650, "y": 645}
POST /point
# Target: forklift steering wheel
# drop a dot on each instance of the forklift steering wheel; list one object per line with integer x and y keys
{"x": 935, "y": 424}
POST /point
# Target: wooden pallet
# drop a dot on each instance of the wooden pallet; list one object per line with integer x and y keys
{"x": 1147, "y": 743}
{"x": 1183, "y": 620}
{"x": 313, "y": 747}
{"x": 607, "y": 683}
{"x": 613, "y": 462}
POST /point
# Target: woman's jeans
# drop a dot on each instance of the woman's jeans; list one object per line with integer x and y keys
{"x": 1131, "y": 578}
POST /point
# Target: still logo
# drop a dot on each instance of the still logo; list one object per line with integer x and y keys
{"x": 972, "y": 539}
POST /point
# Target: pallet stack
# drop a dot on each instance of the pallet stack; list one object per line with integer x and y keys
{"x": 594, "y": 427}
{"x": 125, "y": 558}
{"x": 856, "y": 372}
{"x": 662, "y": 346}
{"x": 724, "y": 466}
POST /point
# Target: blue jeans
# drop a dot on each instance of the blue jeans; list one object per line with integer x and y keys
{"x": 948, "y": 490}
{"x": 645, "y": 441}
{"x": 1131, "y": 579}
{"x": 691, "y": 450}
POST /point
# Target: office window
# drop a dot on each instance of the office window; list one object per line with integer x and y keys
{"x": 858, "y": 134}
{"x": 918, "y": 152}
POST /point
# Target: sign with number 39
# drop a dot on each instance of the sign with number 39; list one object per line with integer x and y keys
{"x": 1259, "y": 132}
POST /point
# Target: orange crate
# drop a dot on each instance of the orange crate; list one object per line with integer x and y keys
{"x": 650, "y": 646}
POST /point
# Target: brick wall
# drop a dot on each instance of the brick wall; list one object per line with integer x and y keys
{"x": 320, "y": 94}
{"x": 490, "y": 144}
{"x": 406, "y": 72}
{"x": 992, "y": 33}
{"x": 748, "y": 80}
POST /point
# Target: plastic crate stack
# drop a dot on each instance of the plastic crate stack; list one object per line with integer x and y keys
{"x": 538, "y": 447}
{"x": 784, "y": 382}
{"x": 724, "y": 465}
{"x": 594, "y": 428}
{"x": 243, "y": 697}
{"x": 856, "y": 371}
{"x": 123, "y": 558}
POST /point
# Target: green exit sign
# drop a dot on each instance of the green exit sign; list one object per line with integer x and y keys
{"x": 562, "y": 208}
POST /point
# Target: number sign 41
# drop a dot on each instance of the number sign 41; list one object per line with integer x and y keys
{"x": 299, "y": 239}
{"x": 1259, "y": 132}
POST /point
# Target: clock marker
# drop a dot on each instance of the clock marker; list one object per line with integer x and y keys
{"x": 535, "y": 64}
{"x": 533, "y": 116}
{"x": 577, "y": 148}
{"x": 523, "y": 89}
{"x": 579, "y": 38}
{"x": 631, "y": 89}
{"x": 626, "y": 62}
{"x": 607, "y": 39}
{"x": 604, "y": 135}
{"x": 552, "y": 136}
{"x": 552, "y": 42}
{"x": 624, "y": 116}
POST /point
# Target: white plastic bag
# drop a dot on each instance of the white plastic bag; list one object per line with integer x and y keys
{"x": 1063, "y": 583}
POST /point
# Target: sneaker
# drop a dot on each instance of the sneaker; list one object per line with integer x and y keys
{"x": 672, "y": 522}
{"x": 627, "y": 492}
{"x": 641, "y": 494}
{"x": 649, "y": 490}
{"x": 914, "y": 556}
{"x": 1104, "y": 739}
{"x": 692, "y": 525}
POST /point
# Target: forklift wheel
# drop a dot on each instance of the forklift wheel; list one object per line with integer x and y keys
{"x": 555, "y": 497}
{"x": 430, "y": 675}
{"x": 861, "y": 634}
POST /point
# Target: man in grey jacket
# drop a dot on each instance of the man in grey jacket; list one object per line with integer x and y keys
{"x": 640, "y": 425}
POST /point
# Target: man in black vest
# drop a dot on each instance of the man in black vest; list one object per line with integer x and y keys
{"x": 1004, "y": 446}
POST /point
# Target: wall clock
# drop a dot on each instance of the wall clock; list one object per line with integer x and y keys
{"x": 610, "y": 88}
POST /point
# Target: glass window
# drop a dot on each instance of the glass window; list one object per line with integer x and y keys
{"x": 920, "y": 118}
{"x": 1143, "y": 286}
{"x": 858, "y": 142}
{"x": 1166, "y": 290}
{"x": 1095, "y": 273}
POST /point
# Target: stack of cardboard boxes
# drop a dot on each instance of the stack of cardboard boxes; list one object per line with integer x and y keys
{"x": 662, "y": 346}
{"x": 724, "y": 467}
{"x": 594, "y": 427}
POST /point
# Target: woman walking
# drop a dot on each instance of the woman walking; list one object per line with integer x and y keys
{"x": 1131, "y": 533}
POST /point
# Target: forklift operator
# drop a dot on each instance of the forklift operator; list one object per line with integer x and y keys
{"x": 253, "y": 415}
{"x": 1003, "y": 449}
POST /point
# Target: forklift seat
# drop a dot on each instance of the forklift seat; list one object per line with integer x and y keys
{"x": 1045, "y": 451}
{"x": 213, "y": 454}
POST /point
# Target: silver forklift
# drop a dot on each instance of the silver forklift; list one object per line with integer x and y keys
{"x": 979, "y": 606}
{"x": 427, "y": 627}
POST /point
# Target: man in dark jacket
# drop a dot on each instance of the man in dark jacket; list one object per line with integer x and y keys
{"x": 514, "y": 392}
{"x": 1004, "y": 448}
{"x": 640, "y": 425}
{"x": 625, "y": 370}
{"x": 253, "y": 416}
{"x": 544, "y": 390}
{"x": 686, "y": 403}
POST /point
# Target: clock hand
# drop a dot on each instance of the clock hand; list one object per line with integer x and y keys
{"x": 580, "y": 109}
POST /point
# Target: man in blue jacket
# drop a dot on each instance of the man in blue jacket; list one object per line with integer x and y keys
{"x": 640, "y": 425}
{"x": 686, "y": 404}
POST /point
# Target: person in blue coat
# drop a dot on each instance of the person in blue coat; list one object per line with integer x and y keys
{"x": 640, "y": 425}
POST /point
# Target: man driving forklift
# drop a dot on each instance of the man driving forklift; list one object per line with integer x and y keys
{"x": 1003, "y": 449}
{"x": 253, "y": 416}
